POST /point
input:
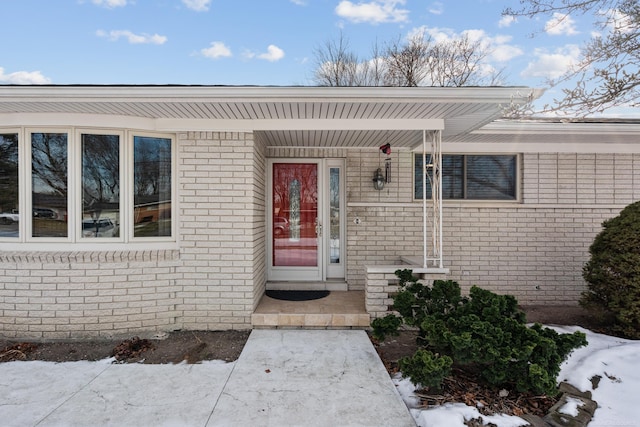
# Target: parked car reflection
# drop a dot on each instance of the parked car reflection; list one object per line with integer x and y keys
{"x": 103, "y": 227}
{"x": 280, "y": 226}
{"x": 44, "y": 213}
{"x": 9, "y": 217}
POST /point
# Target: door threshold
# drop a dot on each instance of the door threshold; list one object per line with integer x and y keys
{"x": 296, "y": 285}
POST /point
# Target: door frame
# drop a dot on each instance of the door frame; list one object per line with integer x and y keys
{"x": 324, "y": 270}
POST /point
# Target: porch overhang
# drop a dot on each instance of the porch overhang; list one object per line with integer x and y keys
{"x": 351, "y": 117}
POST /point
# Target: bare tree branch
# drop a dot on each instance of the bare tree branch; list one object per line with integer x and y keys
{"x": 608, "y": 73}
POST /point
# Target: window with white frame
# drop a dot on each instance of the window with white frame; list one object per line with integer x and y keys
{"x": 471, "y": 177}
{"x": 86, "y": 186}
{"x": 9, "y": 187}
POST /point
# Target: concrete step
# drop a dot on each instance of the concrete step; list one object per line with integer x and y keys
{"x": 340, "y": 309}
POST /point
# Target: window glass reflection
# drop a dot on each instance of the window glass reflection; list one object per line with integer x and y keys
{"x": 9, "y": 216}
{"x": 491, "y": 177}
{"x": 474, "y": 177}
{"x": 100, "y": 186}
{"x": 334, "y": 213}
{"x": 49, "y": 156}
{"x": 152, "y": 186}
{"x": 295, "y": 213}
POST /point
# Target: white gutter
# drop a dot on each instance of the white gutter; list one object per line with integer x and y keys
{"x": 139, "y": 93}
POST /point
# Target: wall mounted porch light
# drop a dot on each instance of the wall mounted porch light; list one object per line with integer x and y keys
{"x": 379, "y": 180}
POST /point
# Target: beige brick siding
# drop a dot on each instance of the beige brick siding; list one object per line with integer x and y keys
{"x": 533, "y": 249}
{"x": 213, "y": 281}
{"x": 90, "y": 294}
{"x": 221, "y": 205}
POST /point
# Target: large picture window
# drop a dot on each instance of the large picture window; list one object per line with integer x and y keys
{"x": 471, "y": 177}
{"x": 85, "y": 186}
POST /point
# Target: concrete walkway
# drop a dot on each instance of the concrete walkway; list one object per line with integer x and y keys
{"x": 282, "y": 378}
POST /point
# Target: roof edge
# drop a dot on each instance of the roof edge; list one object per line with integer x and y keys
{"x": 67, "y": 93}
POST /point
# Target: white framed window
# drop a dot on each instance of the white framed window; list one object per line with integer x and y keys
{"x": 152, "y": 195}
{"x": 101, "y": 158}
{"x": 472, "y": 176}
{"x": 48, "y": 165}
{"x": 9, "y": 185}
{"x": 86, "y": 186}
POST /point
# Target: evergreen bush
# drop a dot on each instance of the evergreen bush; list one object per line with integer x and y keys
{"x": 613, "y": 271}
{"x": 484, "y": 334}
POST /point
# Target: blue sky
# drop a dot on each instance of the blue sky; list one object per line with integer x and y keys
{"x": 256, "y": 42}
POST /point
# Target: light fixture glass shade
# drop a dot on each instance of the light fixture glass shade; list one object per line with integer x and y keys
{"x": 378, "y": 180}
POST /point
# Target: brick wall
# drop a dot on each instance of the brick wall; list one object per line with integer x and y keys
{"x": 221, "y": 205}
{"x": 534, "y": 249}
{"x": 87, "y": 294}
{"x": 213, "y": 281}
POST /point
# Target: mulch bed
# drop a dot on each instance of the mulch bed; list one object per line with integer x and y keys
{"x": 175, "y": 347}
{"x": 461, "y": 387}
{"x": 18, "y": 351}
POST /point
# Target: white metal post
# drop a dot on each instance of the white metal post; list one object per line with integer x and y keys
{"x": 424, "y": 198}
{"x": 435, "y": 254}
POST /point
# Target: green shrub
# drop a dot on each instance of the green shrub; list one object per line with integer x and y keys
{"x": 427, "y": 369}
{"x": 613, "y": 271}
{"x": 383, "y": 326}
{"x": 484, "y": 334}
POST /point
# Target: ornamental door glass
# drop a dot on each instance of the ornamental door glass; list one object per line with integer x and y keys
{"x": 295, "y": 214}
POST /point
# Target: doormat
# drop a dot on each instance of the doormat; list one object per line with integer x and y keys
{"x": 297, "y": 295}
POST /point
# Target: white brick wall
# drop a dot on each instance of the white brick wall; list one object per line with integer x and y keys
{"x": 212, "y": 282}
{"x": 534, "y": 250}
{"x": 222, "y": 205}
{"x": 90, "y": 294}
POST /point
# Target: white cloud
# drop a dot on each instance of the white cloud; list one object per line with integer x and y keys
{"x": 273, "y": 54}
{"x": 498, "y": 47}
{"x": 436, "y": 8}
{"x": 619, "y": 22}
{"x": 505, "y": 53}
{"x": 110, "y": 3}
{"x": 437, "y": 34}
{"x": 299, "y": 2}
{"x": 373, "y": 12}
{"x": 131, "y": 37}
{"x": 197, "y": 5}
{"x": 551, "y": 65}
{"x": 216, "y": 50}
{"x": 506, "y": 21}
{"x": 23, "y": 78}
{"x": 561, "y": 24}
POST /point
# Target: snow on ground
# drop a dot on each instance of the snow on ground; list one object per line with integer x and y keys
{"x": 614, "y": 360}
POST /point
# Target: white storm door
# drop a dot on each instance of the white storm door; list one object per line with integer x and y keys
{"x": 295, "y": 249}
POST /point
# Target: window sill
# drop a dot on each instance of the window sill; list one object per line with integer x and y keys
{"x": 96, "y": 253}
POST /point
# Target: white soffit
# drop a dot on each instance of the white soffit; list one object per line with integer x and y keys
{"x": 589, "y": 135}
{"x": 281, "y": 116}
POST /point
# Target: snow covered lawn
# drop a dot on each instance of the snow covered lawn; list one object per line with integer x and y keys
{"x": 609, "y": 367}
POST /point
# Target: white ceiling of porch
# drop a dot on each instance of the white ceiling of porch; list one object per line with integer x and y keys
{"x": 218, "y": 108}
